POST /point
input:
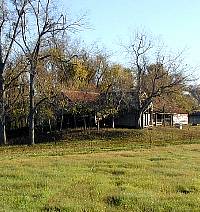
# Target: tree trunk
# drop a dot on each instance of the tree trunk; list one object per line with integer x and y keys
{"x": 155, "y": 119}
{"x": 61, "y": 122}
{"x": 139, "y": 120}
{"x": 75, "y": 125}
{"x": 98, "y": 126}
{"x": 141, "y": 111}
{"x": 85, "y": 125}
{"x": 2, "y": 108}
{"x": 50, "y": 128}
{"x": 113, "y": 122}
{"x": 42, "y": 122}
{"x": 31, "y": 109}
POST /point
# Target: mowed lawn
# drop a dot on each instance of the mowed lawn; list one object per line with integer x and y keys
{"x": 55, "y": 178}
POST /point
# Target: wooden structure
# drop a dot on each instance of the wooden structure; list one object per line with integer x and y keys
{"x": 170, "y": 119}
{"x": 129, "y": 119}
{"x": 168, "y": 113}
{"x": 194, "y": 118}
{"x": 84, "y": 100}
{"x": 160, "y": 119}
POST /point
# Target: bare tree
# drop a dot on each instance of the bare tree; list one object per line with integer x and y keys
{"x": 11, "y": 13}
{"x": 155, "y": 73}
{"x": 116, "y": 85}
{"x": 194, "y": 90}
{"x": 39, "y": 27}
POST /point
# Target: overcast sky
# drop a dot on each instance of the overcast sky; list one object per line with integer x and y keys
{"x": 176, "y": 22}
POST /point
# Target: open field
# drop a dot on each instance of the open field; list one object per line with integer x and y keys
{"x": 129, "y": 170}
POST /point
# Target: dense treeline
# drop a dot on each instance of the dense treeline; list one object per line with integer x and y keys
{"x": 58, "y": 76}
{"x": 42, "y": 69}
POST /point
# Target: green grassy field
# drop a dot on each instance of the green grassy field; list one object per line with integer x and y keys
{"x": 120, "y": 170}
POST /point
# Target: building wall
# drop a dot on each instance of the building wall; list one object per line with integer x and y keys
{"x": 129, "y": 120}
{"x": 146, "y": 119}
{"x": 126, "y": 120}
{"x": 180, "y": 119}
{"x": 194, "y": 119}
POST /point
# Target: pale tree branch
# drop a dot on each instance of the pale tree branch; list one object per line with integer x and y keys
{"x": 16, "y": 25}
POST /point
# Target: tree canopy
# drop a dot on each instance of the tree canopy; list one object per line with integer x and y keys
{"x": 44, "y": 73}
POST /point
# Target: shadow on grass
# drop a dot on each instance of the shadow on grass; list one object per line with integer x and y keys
{"x": 156, "y": 136}
{"x": 75, "y": 135}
